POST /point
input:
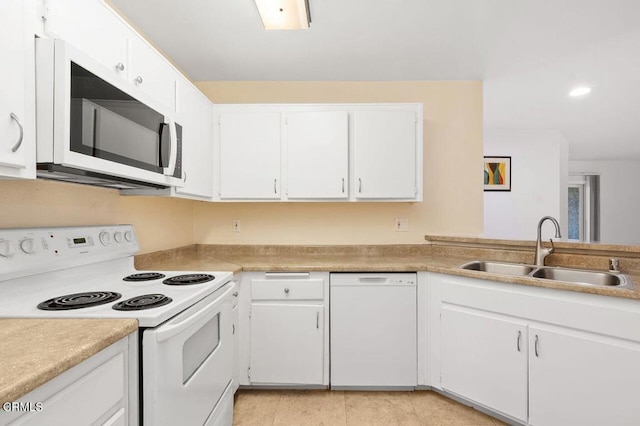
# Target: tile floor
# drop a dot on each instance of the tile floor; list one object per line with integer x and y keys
{"x": 270, "y": 407}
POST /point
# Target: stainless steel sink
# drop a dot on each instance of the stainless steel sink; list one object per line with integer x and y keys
{"x": 606, "y": 279}
{"x": 575, "y": 276}
{"x": 517, "y": 269}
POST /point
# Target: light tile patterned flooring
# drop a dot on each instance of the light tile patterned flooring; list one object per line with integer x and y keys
{"x": 321, "y": 407}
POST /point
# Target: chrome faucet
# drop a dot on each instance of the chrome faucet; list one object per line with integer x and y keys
{"x": 542, "y": 252}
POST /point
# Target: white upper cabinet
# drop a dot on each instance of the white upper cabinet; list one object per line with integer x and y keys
{"x": 17, "y": 92}
{"x": 195, "y": 115}
{"x": 317, "y": 155}
{"x": 98, "y": 31}
{"x": 321, "y": 152}
{"x": 92, "y": 28}
{"x": 151, "y": 73}
{"x": 385, "y": 154}
{"x": 250, "y": 155}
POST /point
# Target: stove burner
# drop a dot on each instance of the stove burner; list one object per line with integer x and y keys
{"x": 145, "y": 301}
{"x": 189, "y": 279}
{"x": 79, "y": 300}
{"x": 144, "y": 276}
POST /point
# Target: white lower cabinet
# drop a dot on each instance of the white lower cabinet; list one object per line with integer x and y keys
{"x": 582, "y": 379}
{"x": 287, "y": 338}
{"x": 287, "y": 343}
{"x": 536, "y": 356}
{"x": 101, "y": 390}
{"x": 484, "y": 358}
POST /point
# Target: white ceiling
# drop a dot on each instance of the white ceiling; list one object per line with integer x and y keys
{"x": 528, "y": 52}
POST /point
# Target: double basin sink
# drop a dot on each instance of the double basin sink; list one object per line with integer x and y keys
{"x": 574, "y": 276}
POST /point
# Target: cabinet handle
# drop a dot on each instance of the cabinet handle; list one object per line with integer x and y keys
{"x": 318, "y": 320}
{"x": 234, "y": 328}
{"x": 275, "y": 190}
{"x": 184, "y": 179}
{"x": 519, "y": 337}
{"x": 536, "y": 347}
{"x": 286, "y": 290}
{"x": 343, "y": 185}
{"x": 120, "y": 66}
{"x": 359, "y": 185}
{"x": 19, "y": 143}
{"x": 139, "y": 80}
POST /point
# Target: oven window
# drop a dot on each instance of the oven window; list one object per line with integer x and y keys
{"x": 199, "y": 347}
{"x": 109, "y": 124}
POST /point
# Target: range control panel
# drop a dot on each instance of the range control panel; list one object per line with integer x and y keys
{"x": 33, "y": 250}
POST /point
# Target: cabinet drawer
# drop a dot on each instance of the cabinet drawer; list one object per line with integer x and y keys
{"x": 287, "y": 289}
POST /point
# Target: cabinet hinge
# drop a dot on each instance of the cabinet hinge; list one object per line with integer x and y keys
{"x": 249, "y": 373}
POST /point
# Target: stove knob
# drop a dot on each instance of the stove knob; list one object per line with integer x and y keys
{"x": 118, "y": 237}
{"x": 28, "y": 246}
{"x": 7, "y": 249}
{"x": 128, "y": 236}
{"x": 105, "y": 238}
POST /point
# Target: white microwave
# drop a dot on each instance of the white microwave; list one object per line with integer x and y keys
{"x": 96, "y": 128}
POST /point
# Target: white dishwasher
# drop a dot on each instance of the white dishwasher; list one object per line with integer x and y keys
{"x": 373, "y": 330}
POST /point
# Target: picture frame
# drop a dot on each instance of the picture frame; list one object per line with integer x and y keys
{"x": 497, "y": 173}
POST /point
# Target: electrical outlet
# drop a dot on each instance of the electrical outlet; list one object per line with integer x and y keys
{"x": 402, "y": 225}
{"x": 236, "y": 226}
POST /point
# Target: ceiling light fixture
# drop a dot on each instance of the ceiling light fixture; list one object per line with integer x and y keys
{"x": 579, "y": 91}
{"x": 284, "y": 14}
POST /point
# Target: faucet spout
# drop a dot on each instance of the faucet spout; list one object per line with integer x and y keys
{"x": 542, "y": 252}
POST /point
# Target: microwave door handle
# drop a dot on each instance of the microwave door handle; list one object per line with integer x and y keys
{"x": 169, "y": 330}
{"x": 173, "y": 152}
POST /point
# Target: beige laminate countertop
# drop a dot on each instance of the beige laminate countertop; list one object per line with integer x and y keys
{"x": 34, "y": 351}
{"x": 199, "y": 261}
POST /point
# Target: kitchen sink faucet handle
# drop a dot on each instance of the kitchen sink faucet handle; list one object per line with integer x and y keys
{"x": 553, "y": 248}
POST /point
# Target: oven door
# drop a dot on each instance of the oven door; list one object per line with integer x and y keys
{"x": 187, "y": 362}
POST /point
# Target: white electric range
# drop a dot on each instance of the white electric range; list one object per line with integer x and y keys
{"x": 185, "y": 319}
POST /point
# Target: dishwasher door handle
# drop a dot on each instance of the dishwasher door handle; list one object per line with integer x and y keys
{"x": 373, "y": 279}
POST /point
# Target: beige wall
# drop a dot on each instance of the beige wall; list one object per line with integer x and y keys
{"x": 160, "y": 223}
{"x": 452, "y": 161}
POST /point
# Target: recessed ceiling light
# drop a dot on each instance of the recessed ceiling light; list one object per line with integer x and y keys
{"x": 284, "y": 14}
{"x": 579, "y": 91}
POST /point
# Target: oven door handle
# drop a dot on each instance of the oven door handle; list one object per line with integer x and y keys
{"x": 169, "y": 330}
{"x": 173, "y": 148}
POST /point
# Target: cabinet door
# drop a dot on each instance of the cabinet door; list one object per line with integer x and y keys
{"x": 484, "y": 359}
{"x": 385, "y": 154}
{"x": 195, "y": 114}
{"x": 249, "y": 155}
{"x": 287, "y": 343}
{"x": 17, "y": 93}
{"x": 582, "y": 379}
{"x": 93, "y": 28}
{"x": 152, "y": 74}
{"x": 317, "y": 155}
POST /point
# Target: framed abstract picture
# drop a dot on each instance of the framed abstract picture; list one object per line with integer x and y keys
{"x": 497, "y": 173}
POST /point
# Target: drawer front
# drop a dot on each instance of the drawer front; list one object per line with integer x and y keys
{"x": 287, "y": 289}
